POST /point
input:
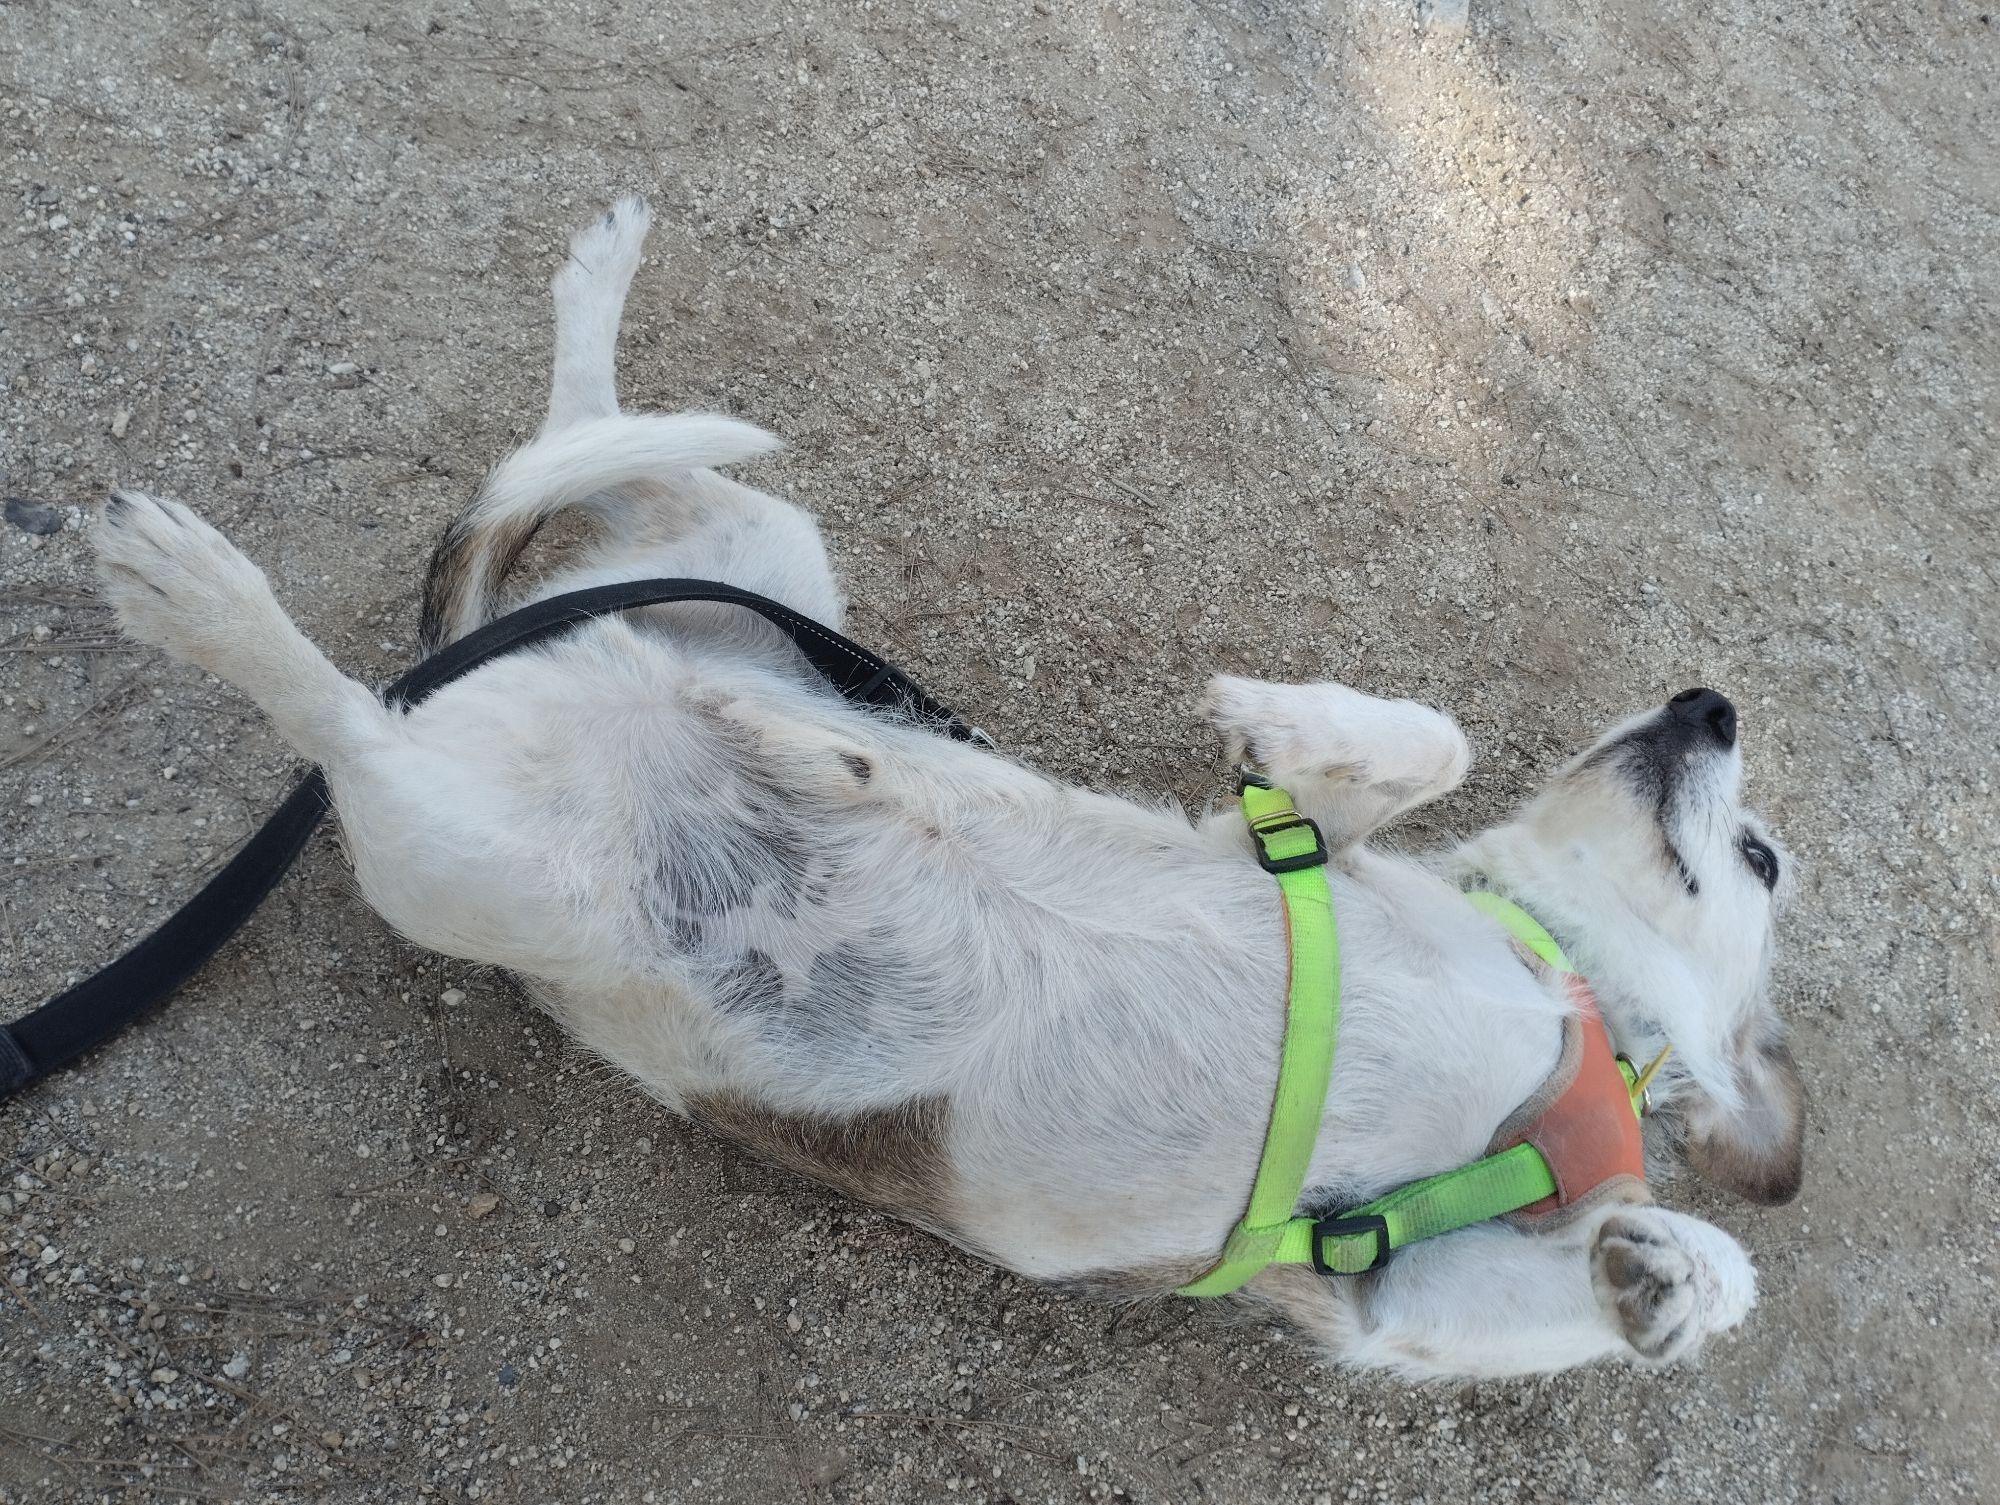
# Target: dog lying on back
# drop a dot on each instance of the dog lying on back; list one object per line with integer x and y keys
{"x": 1039, "y": 1021}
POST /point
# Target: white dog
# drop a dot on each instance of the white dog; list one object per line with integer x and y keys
{"x": 1041, "y": 1022}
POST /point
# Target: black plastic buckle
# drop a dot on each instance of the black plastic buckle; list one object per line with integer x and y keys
{"x": 1367, "y": 1222}
{"x": 1315, "y": 858}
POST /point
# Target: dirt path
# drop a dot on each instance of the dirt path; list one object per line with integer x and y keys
{"x": 1538, "y": 370}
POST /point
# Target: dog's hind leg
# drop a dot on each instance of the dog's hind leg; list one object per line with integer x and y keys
{"x": 688, "y": 522}
{"x": 428, "y": 854}
{"x": 647, "y": 481}
{"x": 589, "y": 293}
{"x": 180, "y": 585}
{"x": 1351, "y": 761}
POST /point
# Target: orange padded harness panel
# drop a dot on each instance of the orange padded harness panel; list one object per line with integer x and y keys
{"x": 1581, "y": 1119}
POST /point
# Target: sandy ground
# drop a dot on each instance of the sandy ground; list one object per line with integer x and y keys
{"x": 1538, "y": 369}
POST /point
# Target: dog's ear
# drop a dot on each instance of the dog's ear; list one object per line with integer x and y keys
{"x": 1756, "y": 1149}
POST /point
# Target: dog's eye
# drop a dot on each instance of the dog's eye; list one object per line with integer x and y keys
{"x": 1763, "y": 861}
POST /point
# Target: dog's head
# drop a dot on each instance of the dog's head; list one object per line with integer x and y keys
{"x": 1641, "y": 858}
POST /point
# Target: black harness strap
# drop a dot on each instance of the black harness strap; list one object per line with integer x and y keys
{"x": 153, "y": 970}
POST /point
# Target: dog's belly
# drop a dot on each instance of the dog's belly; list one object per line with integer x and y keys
{"x": 958, "y": 1025}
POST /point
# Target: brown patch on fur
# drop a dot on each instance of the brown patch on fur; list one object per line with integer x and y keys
{"x": 1418, "y": 1352}
{"x": 471, "y": 561}
{"x": 1758, "y": 1153}
{"x": 1337, "y": 1311}
{"x": 448, "y": 582}
{"x": 892, "y": 1158}
{"x": 1138, "y": 1283}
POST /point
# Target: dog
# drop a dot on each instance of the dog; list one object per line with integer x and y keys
{"x": 1036, "y": 1020}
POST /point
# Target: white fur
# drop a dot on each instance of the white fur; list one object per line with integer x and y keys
{"x": 1094, "y": 986}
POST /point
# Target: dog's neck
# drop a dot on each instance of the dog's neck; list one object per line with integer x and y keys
{"x": 1637, "y": 977}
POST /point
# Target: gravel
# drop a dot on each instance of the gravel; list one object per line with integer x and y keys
{"x": 1539, "y": 366}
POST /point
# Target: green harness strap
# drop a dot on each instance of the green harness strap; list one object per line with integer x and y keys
{"x": 1523, "y": 926}
{"x": 1269, "y": 1233}
{"x": 1289, "y": 846}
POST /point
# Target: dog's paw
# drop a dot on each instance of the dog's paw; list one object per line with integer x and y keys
{"x": 1668, "y": 1281}
{"x": 1235, "y": 708}
{"x": 606, "y": 251}
{"x": 1330, "y": 731}
{"x": 173, "y": 580}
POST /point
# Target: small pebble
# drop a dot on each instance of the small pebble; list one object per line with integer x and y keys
{"x": 33, "y": 517}
{"x": 1444, "y": 15}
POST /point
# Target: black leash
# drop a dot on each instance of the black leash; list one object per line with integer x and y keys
{"x": 152, "y": 971}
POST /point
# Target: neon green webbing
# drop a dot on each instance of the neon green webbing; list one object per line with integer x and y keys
{"x": 1305, "y": 1064}
{"x": 1523, "y": 926}
{"x": 1488, "y": 1188}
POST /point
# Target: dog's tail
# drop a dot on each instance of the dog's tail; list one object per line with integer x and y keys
{"x": 562, "y": 470}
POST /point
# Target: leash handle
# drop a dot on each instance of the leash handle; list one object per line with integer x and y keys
{"x": 145, "y": 977}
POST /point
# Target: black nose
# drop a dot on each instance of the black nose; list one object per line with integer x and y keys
{"x": 1706, "y": 708}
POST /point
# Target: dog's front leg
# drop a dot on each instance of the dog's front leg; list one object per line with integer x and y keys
{"x": 1638, "y": 1283}
{"x": 1350, "y": 761}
